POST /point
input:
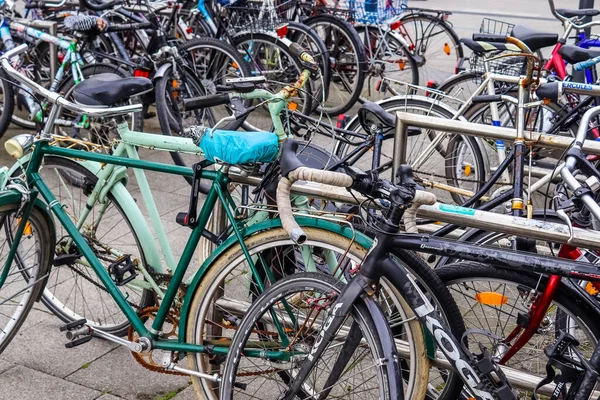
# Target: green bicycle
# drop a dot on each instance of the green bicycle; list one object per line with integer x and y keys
{"x": 168, "y": 318}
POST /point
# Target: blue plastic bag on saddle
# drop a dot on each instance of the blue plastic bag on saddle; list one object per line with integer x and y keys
{"x": 237, "y": 148}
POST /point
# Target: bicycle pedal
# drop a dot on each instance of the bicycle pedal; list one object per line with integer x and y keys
{"x": 73, "y": 325}
{"x": 78, "y": 342}
{"x": 123, "y": 270}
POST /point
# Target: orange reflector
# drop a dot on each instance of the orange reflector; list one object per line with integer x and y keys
{"x": 491, "y": 298}
{"x": 467, "y": 170}
{"x": 293, "y": 106}
{"x": 591, "y": 289}
{"x": 27, "y": 230}
{"x": 401, "y": 64}
{"x": 175, "y": 86}
{"x": 446, "y": 49}
{"x": 234, "y": 65}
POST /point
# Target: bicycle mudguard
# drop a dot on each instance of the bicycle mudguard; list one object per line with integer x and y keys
{"x": 4, "y": 175}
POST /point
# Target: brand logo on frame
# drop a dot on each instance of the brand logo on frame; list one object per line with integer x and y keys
{"x": 573, "y": 85}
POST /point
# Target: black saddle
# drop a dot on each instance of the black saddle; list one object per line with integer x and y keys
{"x": 574, "y": 54}
{"x": 584, "y": 12}
{"x": 109, "y": 89}
{"x": 372, "y": 113}
{"x": 533, "y": 39}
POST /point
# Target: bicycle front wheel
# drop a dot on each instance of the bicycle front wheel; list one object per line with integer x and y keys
{"x": 299, "y": 306}
{"x": 25, "y": 276}
{"x": 230, "y": 287}
{"x": 472, "y": 283}
{"x": 7, "y": 102}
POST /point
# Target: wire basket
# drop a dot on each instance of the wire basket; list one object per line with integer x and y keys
{"x": 258, "y": 16}
{"x": 511, "y": 65}
{"x": 365, "y": 11}
{"x": 495, "y": 27}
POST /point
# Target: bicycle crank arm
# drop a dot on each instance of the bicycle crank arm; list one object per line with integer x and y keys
{"x": 169, "y": 365}
{"x": 137, "y": 347}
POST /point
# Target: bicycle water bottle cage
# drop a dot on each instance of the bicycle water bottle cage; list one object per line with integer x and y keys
{"x": 239, "y": 148}
{"x": 560, "y": 357}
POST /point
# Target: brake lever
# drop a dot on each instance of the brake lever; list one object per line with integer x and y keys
{"x": 560, "y": 213}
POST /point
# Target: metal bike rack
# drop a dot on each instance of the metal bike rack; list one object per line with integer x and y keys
{"x": 406, "y": 120}
{"x": 51, "y": 28}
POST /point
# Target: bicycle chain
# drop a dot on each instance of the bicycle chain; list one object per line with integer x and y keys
{"x": 145, "y": 359}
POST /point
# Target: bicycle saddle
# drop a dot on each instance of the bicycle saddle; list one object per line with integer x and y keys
{"x": 482, "y": 46}
{"x": 574, "y": 54}
{"x": 238, "y": 148}
{"x": 372, "y": 113}
{"x": 533, "y": 39}
{"x": 585, "y": 12}
{"x": 109, "y": 89}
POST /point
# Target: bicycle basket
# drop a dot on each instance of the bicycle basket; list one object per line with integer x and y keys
{"x": 495, "y": 27}
{"x": 366, "y": 11}
{"x": 258, "y": 16}
{"x": 510, "y": 65}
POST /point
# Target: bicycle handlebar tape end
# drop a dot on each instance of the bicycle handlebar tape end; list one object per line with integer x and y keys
{"x": 86, "y": 23}
{"x": 580, "y": 66}
{"x": 550, "y": 91}
{"x": 410, "y": 215}
{"x": 284, "y": 206}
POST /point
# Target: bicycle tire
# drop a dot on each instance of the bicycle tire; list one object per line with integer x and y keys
{"x": 255, "y": 46}
{"x": 274, "y": 243}
{"x": 416, "y": 143}
{"x": 420, "y": 27}
{"x": 380, "y": 58}
{"x": 315, "y": 283}
{"x": 39, "y": 226}
{"x": 306, "y": 37}
{"x": 73, "y": 291}
{"x": 7, "y": 102}
{"x": 458, "y": 275}
{"x": 347, "y": 46}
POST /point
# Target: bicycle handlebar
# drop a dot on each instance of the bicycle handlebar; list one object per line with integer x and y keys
{"x": 292, "y": 170}
{"x": 565, "y": 19}
{"x": 57, "y": 98}
{"x": 586, "y": 64}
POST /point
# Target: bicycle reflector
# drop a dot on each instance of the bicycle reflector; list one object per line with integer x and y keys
{"x": 282, "y": 31}
{"x": 142, "y": 73}
{"x": 395, "y": 25}
{"x": 447, "y": 49}
{"x": 491, "y": 298}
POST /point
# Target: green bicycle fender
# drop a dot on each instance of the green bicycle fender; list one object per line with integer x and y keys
{"x": 116, "y": 186}
{"x": 12, "y": 196}
{"x": 342, "y": 230}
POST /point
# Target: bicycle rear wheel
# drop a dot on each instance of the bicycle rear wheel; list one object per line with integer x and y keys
{"x": 7, "y": 102}
{"x": 26, "y": 275}
{"x": 435, "y": 44}
{"x": 302, "y": 304}
{"x": 74, "y": 291}
{"x": 347, "y": 62}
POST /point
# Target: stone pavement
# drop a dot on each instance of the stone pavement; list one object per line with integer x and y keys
{"x": 37, "y": 366}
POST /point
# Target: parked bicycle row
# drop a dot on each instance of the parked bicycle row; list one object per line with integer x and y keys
{"x": 331, "y": 287}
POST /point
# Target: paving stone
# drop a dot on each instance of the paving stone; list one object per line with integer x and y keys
{"x": 27, "y": 384}
{"x": 120, "y": 374}
{"x": 108, "y": 397}
{"x": 41, "y": 347}
{"x": 5, "y": 365}
{"x": 186, "y": 394}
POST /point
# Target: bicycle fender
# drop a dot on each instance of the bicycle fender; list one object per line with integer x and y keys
{"x": 162, "y": 70}
{"x": 119, "y": 175}
{"x": 390, "y": 353}
{"x": 231, "y": 241}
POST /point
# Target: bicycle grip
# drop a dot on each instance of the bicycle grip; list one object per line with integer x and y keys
{"x": 296, "y": 50}
{"x": 486, "y": 37}
{"x": 487, "y": 98}
{"x": 206, "y": 101}
{"x": 580, "y": 66}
